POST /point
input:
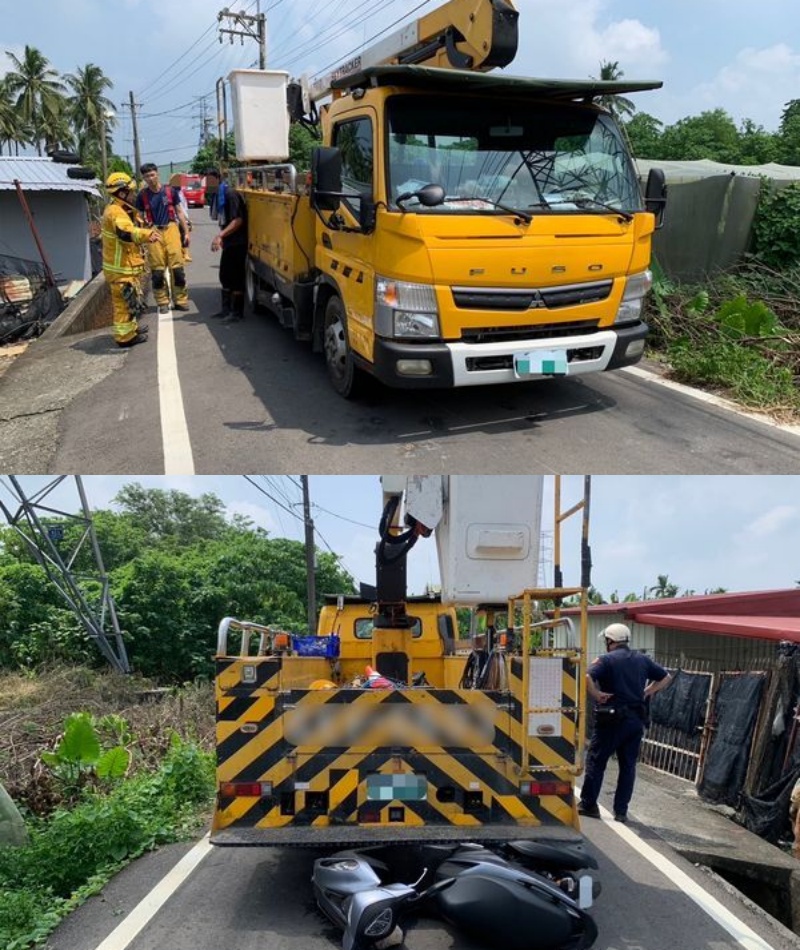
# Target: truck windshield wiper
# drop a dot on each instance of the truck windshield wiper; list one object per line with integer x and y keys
{"x": 526, "y": 216}
{"x": 594, "y": 203}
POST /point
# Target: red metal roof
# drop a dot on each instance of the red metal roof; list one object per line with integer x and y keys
{"x": 764, "y": 628}
{"x": 766, "y": 614}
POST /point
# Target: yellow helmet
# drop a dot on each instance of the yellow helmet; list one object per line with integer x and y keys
{"x": 116, "y": 181}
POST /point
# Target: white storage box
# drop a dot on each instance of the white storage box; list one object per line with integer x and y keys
{"x": 261, "y": 121}
{"x": 488, "y": 540}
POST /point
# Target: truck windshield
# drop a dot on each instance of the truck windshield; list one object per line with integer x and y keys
{"x": 543, "y": 158}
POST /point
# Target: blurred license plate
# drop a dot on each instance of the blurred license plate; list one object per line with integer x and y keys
{"x": 541, "y": 363}
{"x": 397, "y": 786}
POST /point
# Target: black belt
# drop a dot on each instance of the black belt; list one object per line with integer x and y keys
{"x": 162, "y": 227}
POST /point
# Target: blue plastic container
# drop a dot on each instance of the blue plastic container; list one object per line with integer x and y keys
{"x": 316, "y": 646}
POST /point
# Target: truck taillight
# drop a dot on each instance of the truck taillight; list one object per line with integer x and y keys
{"x": 545, "y": 788}
{"x": 246, "y": 789}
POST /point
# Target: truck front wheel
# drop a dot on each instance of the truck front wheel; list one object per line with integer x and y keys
{"x": 344, "y": 375}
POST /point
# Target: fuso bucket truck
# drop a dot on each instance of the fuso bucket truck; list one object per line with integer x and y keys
{"x": 385, "y": 726}
{"x": 457, "y": 228}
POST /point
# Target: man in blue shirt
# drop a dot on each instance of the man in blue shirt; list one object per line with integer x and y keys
{"x": 620, "y": 683}
{"x": 160, "y": 205}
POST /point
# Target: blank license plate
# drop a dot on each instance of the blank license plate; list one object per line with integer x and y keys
{"x": 541, "y": 363}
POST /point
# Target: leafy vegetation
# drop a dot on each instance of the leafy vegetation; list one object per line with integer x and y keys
{"x": 738, "y": 334}
{"x": 73, "y": 852}
{"x": 176, "y": 568}
{"x": 714, "y": 135}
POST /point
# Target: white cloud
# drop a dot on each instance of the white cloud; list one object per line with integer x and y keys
{"x": 770, "y": 523}
{"x": 571, "y": 39}
{"x": 756, "y": 84}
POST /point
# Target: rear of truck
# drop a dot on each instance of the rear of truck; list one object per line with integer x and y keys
{"x": 311, "y": 751}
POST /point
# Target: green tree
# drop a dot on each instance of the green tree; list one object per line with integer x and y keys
{"x": 756, "y": 145}
{"x": 39, "y": 93}
{"x": 173, "y": 516}
{"x": 663, "y": 588}
{"x": 13, "y": 130}
{"x": 712, "y": 135}
{"x": 644, "y": 135}
{"x": 88, "y": 109}
{"x": 301, "y": 141}
{"x": 618, "y": 106}
{"x": 210, "y": 155}
{"x": 788, "y": 138}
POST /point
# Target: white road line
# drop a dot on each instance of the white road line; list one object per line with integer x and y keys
{"x": 178, "y": 459}
{"x": 151, "y": 903}
{"x": 740, "y": 932}
{"x": 710, "y": 398}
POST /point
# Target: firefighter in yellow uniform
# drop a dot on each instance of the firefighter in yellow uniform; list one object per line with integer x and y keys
{"x": 123, "y": 258}
{"x": 161, "y": 207}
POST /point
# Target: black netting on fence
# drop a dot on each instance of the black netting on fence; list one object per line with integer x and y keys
{"x": 734, "y": 717}
{"x": 768, "y": 815}
{"x": 682, "y": 705}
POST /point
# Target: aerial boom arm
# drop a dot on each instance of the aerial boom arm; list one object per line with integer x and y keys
{"x": 461, "y": 34}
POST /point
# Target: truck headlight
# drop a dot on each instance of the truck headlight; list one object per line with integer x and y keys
{"x": 636, "y": 288}
{"x": 405, "y": 310}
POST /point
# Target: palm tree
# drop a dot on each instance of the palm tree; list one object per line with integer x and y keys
{"x": 89, "y": 109}
{"x": 663, "y": 588}
{"x": 10, "y": 129}
{"x": 38, "y": 90}
{"x": 619, "y": 106}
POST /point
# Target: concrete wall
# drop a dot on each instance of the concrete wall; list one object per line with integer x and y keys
{"x": 90, "y": 310}
{"x": 62, "y": 220}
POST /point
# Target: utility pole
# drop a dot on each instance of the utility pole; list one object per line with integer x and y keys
{"x": 137, "y": 155}
{"x": 246, "y": 25}
{"x": 310, "y": 567}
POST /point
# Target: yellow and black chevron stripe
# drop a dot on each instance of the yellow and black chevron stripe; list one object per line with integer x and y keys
{"x": 282, "y": 764}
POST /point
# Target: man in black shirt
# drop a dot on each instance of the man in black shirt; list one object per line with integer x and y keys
{"x": 232, "y": 240}
{"x": 620, "y": 683}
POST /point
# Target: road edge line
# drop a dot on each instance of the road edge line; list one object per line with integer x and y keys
{"x": 177, "y": 448}
{"x": 151, "y": 903}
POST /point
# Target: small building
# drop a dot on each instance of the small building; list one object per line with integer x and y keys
{"x": 59, "y": 206}
{"x": 712, "y": 631}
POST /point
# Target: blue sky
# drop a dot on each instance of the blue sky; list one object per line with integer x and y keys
{"x": 737, "y": 532}
{"x": 732, "y": 54}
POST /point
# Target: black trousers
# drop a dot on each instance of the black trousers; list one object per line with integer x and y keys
{"x": 232, "y": 266}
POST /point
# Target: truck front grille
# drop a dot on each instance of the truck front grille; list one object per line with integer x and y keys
{"x": 530, "y": 298}
{"x": 538, "y": 332}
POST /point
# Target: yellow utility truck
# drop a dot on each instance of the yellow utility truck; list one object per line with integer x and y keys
{"x": 457, "y": 228}
{"x": 384, "y": 726}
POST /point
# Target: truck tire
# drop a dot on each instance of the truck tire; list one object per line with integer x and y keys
{"x": 346, "y": 378}
{"x": 250, "y": 288}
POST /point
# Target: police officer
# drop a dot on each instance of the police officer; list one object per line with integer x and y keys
{"x": 620, "y": 683}
{"x": 123, "y": 260}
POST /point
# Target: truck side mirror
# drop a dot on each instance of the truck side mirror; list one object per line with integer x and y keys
{"x": 326, "y": 178}
{"x": 655, "y": 196}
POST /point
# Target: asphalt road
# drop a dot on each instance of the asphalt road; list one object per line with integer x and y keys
{"x": 251, "y": 399}
{"x": 251, "y": 899}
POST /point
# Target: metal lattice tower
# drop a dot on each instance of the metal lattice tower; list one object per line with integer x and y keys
{"x": 43, "y": 537}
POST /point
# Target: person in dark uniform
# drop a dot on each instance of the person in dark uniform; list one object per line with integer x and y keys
{"x": 232, "y": 240}
{"x": 620, "y": 683}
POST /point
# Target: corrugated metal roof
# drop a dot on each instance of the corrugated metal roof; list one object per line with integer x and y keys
{"x": 41, "y": 174}
{"x": 734, "y": 625}
{"x": 765, "y": 614}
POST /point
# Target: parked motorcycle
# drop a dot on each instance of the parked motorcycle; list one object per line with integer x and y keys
{"x": 523, "y": 895}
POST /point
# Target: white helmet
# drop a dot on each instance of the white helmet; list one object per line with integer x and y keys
{"x": 616, "y": 632}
